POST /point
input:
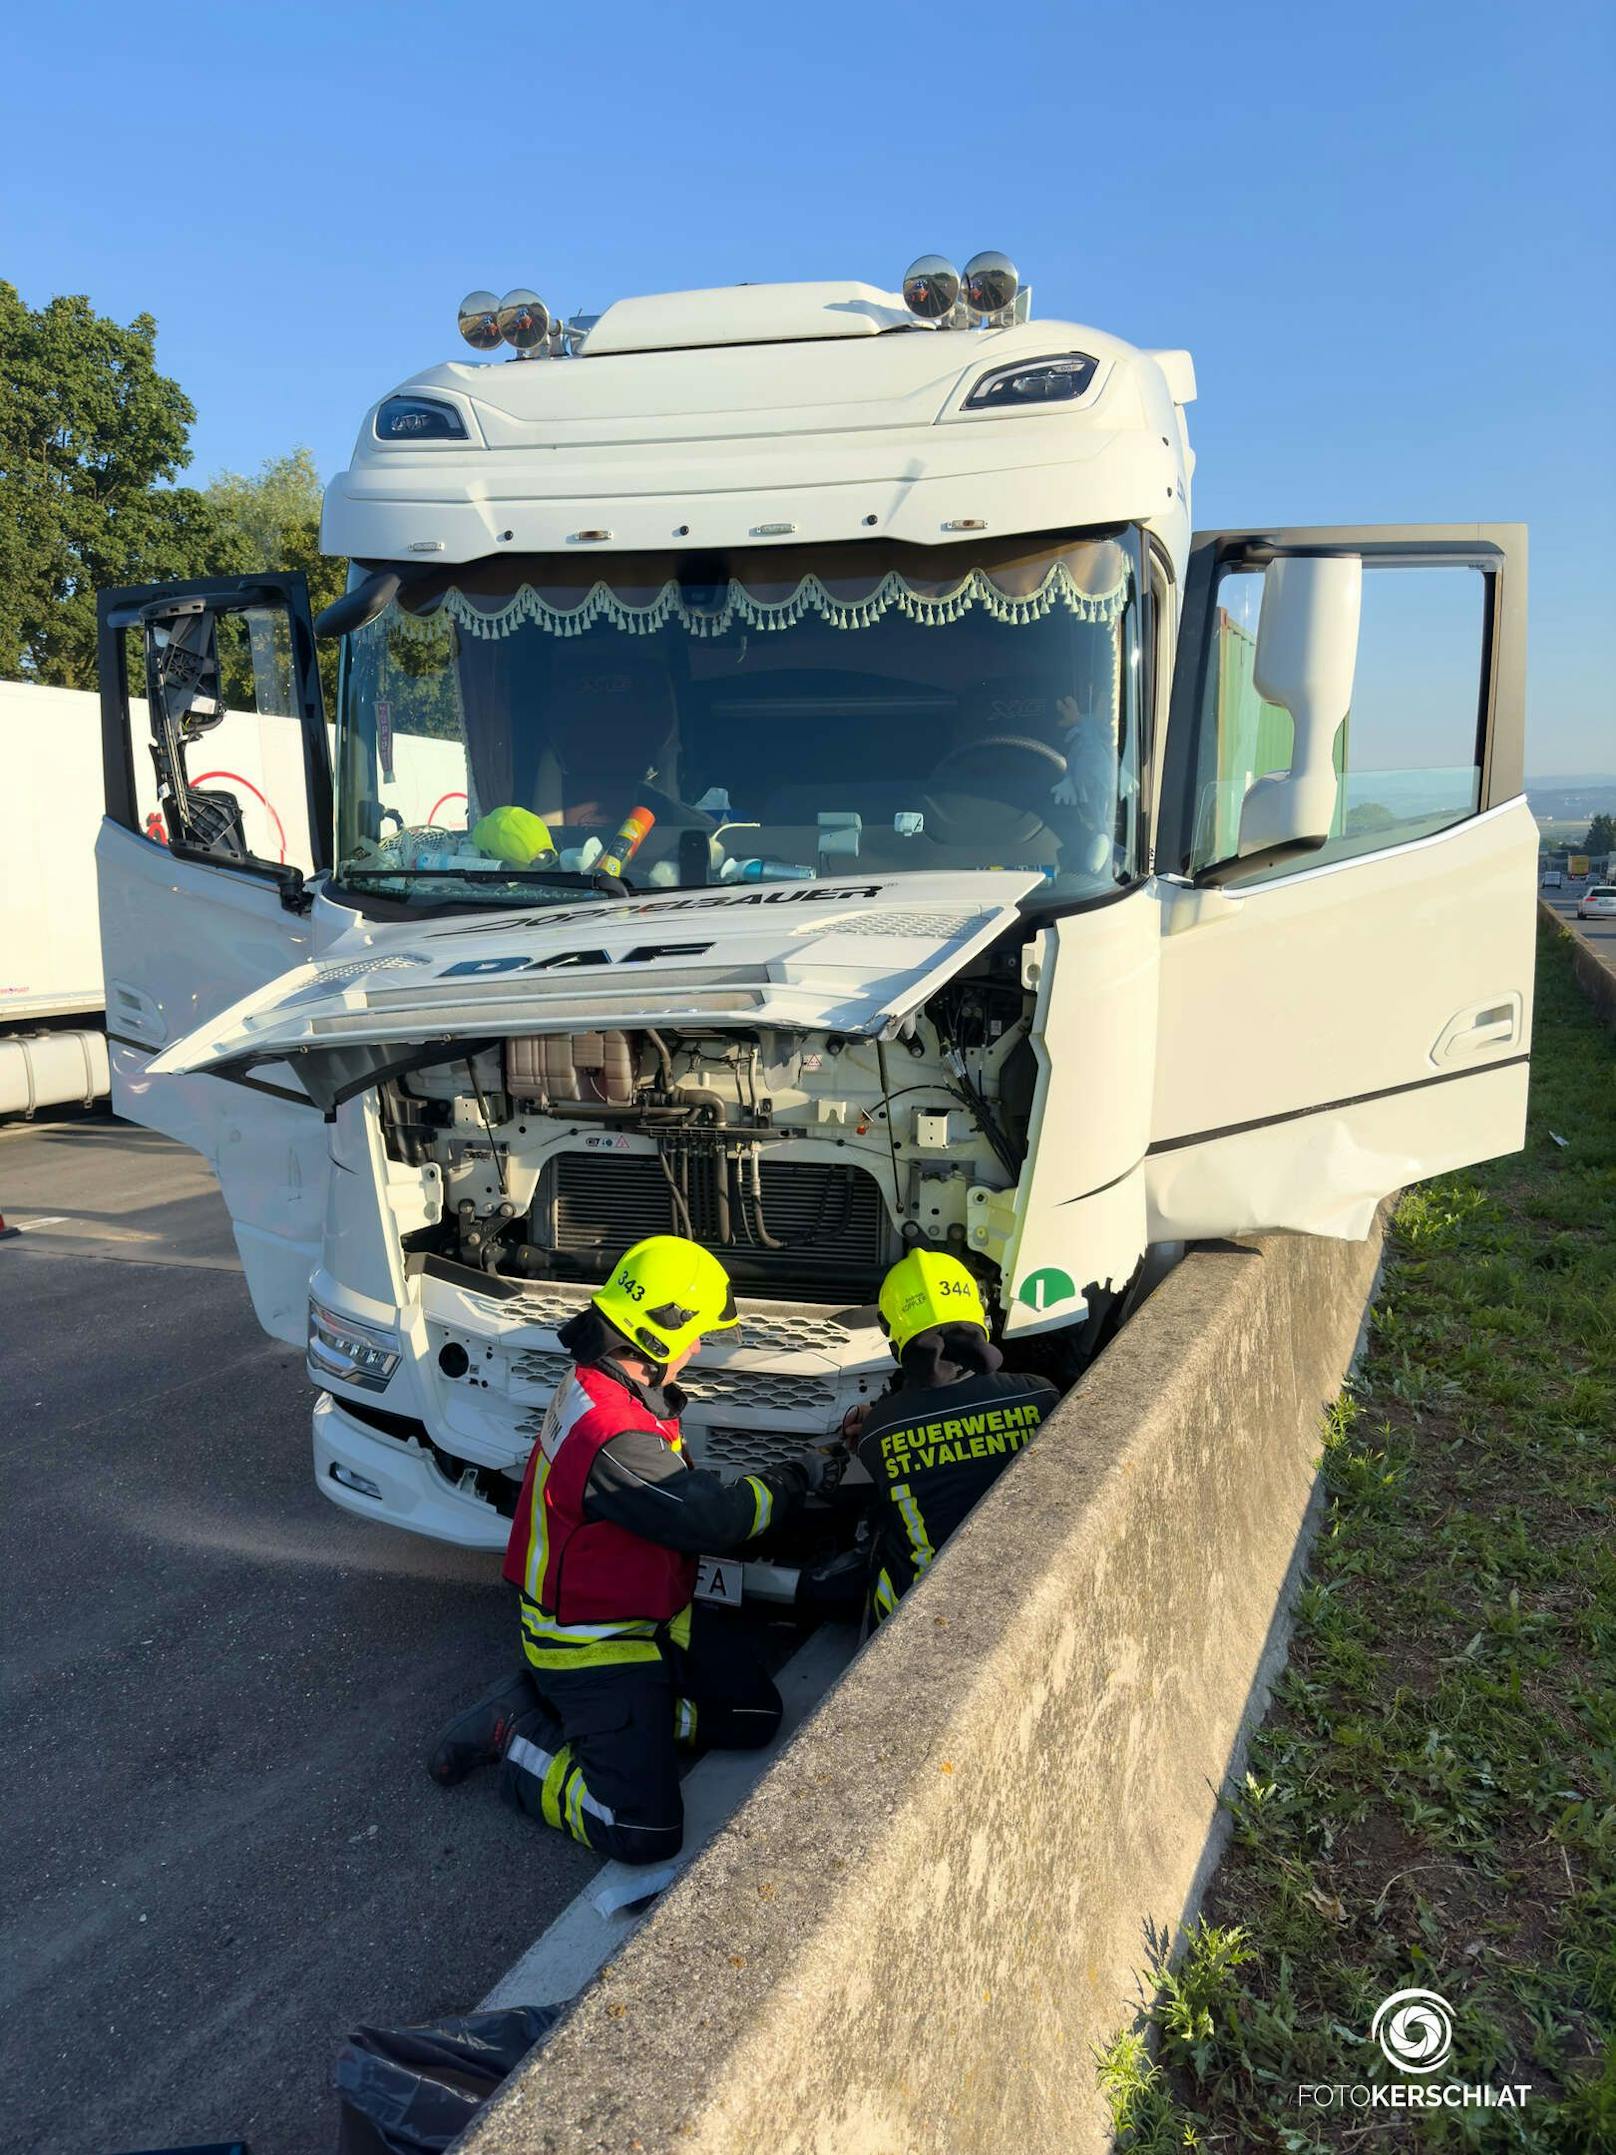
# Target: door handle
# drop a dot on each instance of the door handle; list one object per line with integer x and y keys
{"x": 1485, "y": 1025}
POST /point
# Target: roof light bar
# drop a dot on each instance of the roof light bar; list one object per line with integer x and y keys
{"x": 990, "y": 294}
{"x": 479, "y": 321}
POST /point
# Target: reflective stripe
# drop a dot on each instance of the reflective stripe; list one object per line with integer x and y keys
{"x": 684, "y": 1721}
{"x": 554, "y": 1783}
{"x": 575, "y": 1807}
{"x": 679, "y": 1626}
{"x": 762, "y": 1503}
{"x": 918, "y": 1542}
{"x": 536, "y": 1621}
{"x": 604, "y": 1654}
{"x": 568, "y": 1406}
{"x": 529, "y": 1757}
{"x": 886, "y": 1599}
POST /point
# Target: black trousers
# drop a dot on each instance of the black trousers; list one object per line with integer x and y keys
{"x": 598, "y": 1758}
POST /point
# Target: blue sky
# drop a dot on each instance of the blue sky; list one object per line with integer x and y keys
{"x": 1384, "y": 232}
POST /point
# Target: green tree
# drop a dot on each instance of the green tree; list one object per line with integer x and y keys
{"x": 91, "y": 438}
{"x": 271, "y": 520}
{"x": 1601, "y": 838}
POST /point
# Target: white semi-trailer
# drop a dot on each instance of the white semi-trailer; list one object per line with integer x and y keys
{"x": 875, "y": 817}
{"x": 53, "y": 1049}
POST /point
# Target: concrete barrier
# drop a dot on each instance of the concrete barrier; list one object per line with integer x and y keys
{"x": 912, "y": 1937}
{"x": 1595, "y": 974}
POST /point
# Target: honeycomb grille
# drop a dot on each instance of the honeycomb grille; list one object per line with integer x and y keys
{"x": 746, "y": 1389}
{"x": 761, "y": 1388}
{"x": 794, "y": 1334}
{"x": 533, "y": 1365}
{"x": 339, "y": 975}
{"x": 748, "y": 1451}
{"x": 887, "y": 924}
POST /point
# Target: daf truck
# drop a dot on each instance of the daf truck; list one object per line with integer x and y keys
{"x": 864, "y": 812}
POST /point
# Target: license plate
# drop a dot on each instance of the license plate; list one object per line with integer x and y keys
{"x": 718, "y": 1580}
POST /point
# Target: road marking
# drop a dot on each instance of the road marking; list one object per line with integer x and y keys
{"x": 49, "y": 1219}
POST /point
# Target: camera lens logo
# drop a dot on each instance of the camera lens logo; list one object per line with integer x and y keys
{"x": 1415, "y": 2030}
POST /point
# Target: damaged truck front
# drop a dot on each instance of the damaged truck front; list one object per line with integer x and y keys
{"x": 797, "y": 783}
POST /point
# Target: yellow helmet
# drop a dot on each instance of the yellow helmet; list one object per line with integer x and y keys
{"x": 664, "y": 1294}
{"x": 925, "y": 1289}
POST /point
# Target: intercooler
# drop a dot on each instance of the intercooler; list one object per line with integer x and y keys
{"x": 829, "y": 1219}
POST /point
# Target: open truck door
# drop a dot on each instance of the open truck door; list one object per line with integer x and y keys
{"x": 218, "y": 810}
{"x": 1347, "y": 868}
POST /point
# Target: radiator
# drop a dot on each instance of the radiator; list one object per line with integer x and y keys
{"x": 591, "y": 1206}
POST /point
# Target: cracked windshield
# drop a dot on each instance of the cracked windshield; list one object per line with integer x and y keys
{"x": 547, "y": 723}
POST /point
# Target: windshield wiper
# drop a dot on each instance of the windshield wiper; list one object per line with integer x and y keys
{"x": 595, "y": 879}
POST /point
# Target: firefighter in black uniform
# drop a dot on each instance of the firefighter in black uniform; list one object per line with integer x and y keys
{"x": 947, "y": 1427}
{"x": 603, "y": 1553}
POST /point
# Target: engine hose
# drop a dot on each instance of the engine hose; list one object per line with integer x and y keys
{"x": 770, "y": 1242}
{"x": 971, "y": 1098}
{"x": 892, "y": 1135}
{"x": 681, "y": 1210}
{"x": 705, "y": 1097}
{"x": 664, "y": 1059}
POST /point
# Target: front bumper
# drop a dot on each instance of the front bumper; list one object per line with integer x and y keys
{"x": 400, "y": 1483}
{"x": 412, "y": 1491}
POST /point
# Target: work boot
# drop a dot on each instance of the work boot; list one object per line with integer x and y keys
{"x": 478, "y": 1736}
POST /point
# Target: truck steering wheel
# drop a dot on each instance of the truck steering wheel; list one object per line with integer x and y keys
{"x": 1027, "y": 743}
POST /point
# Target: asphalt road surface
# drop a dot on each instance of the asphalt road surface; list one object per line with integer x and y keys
{"x": 222, "y": 1849}
{"x": 1601, "y": 933}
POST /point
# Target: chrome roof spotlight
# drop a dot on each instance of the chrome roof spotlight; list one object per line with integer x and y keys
{"x": 991, "y": 284}
{"x": 479, "y": 320}
{"x": 931, "y": 287}
{"x": 524, "y": 320}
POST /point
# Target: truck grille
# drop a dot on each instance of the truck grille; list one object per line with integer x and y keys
{"x": 730, "y": 1388}
{"x": 747, "y": 1451}
{"x": 592, "y": 1206}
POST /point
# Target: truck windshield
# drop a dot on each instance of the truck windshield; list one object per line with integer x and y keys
{"x": 771, "y": 714}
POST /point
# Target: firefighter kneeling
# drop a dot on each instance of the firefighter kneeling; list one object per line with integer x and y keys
{"x": 948, "y": 1426}
{"x": 603, "y": 1551}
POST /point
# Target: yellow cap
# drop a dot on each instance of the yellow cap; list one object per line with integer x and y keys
{"x": 513, "y": 835}
{"x": 925, "y": 1289}
{"x": 664, "y": 1293}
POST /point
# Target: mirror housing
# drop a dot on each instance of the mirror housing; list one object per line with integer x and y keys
{"x": 1307, "y": 656}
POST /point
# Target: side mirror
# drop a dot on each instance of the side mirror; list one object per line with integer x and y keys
{"x": 1307, "y": 654}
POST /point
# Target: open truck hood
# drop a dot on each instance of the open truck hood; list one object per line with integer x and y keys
{"x": 829, "y": 957}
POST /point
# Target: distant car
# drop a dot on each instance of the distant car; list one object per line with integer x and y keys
{"x": 1598, "y": 902}
{"x": 1552, "y": 879}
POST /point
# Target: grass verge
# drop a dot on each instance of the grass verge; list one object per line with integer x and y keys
{"x": 1432, "y": 1800}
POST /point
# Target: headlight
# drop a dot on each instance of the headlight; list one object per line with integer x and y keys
{"x": 419, "y": 419}
{"x": 350, "y": 1353}
{"x": 1035, "y": 381}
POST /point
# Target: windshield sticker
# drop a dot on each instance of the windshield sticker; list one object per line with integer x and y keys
{"x": 700, "y": 900}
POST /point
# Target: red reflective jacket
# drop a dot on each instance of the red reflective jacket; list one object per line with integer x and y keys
{"x": 587, "y": 1571}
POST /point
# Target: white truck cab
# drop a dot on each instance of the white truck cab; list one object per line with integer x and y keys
{"x": 800, "y": 781}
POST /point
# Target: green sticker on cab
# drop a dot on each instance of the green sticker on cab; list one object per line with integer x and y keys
{"x": 1044, "y": 1289}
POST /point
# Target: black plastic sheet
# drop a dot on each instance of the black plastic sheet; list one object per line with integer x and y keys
{"x": 409, "y": 2091}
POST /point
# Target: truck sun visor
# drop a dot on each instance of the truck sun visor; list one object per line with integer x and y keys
{"x": 762, "y": 588}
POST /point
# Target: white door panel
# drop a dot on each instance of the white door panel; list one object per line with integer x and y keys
{"x": 183, "y": 939}
{"x": 1081, "y": 1221}
{"x": 1335, "y": 962}
{"x": 1331, "y": 1033}
{"x": 1324, "y": 1173}
{"x": 187, "y": 929}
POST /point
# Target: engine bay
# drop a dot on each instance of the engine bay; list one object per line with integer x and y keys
{"x": 807, "y": 1162}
